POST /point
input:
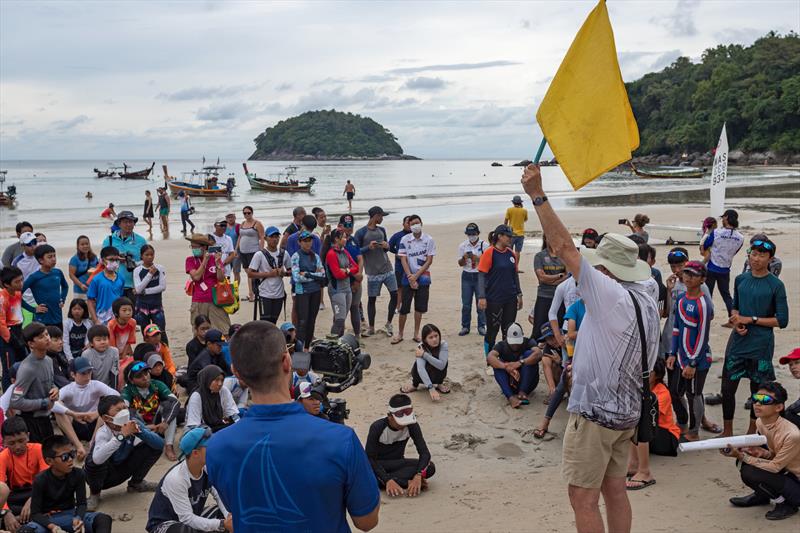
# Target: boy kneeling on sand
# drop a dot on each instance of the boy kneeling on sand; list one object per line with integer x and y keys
{"x": 386, "y": 450}
{"x": 773, "y": 472}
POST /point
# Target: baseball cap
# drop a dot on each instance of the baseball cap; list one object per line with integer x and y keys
{"x": 150, "y": 330}
{"x": 304, "y": 389}
{"x": 472, "y": 229}
{"x": 502, "y": 229}
{"x": 730, "y": 214}
{"x": 81, "y": 364}
{"x": 401, "y": 409}
{"x": 545, "y": 330}
{"x": 590, "y": 233}
{"x": 193, "y": 439}
{"x": 305, "y": 234}
{"x": 794, "y": 355}
{"x": 309, "y": 222}
{"x": 514, "y": 335}
{"x": 346, "y": 220}
{"x": 695, "y": 267}
{"x": 516, "y": 200}
{"x": 134, "y": 368}
{"x": 27, "y": 238}
{"x": 127, "y": 214}
{"x": 272, "y": 230}
{"x": 153, "y": 359}
{"x": 376, "y": 210}
{"x": 213, "y": 335}
{"x": 286, "y": 326}
{"x": 221, "y": 222}
{"x": 301, "y": 361}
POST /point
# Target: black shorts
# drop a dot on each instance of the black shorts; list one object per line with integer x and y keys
{"x": 420, "y": 297}
{"x": 350, "y": 195}
{"x": 246, "y": 258}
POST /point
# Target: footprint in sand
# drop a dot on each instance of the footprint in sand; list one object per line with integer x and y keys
{"x": 507, "y": 449}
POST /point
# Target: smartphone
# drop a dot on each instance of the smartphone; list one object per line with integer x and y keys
{"x": 214, "y": 249}
{"x": 469, "y": 253}
{"x": 622, "y": 221}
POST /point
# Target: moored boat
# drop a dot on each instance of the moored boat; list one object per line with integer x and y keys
{"x": 669, "y": 172}
{"x": 137, "y": 174}
{"x": 282, "y": 182}
{"x": 110, "y": 172}
{"x": 204, "y": 182}
{"x": 7, "y": 196}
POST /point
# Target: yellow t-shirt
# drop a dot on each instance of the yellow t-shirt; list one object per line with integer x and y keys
{"x": 517, "y": 216}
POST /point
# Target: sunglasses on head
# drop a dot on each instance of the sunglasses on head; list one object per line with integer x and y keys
{"x": 677, "y": 253}
{"x": 763, "y": 244}
{"x": 138, "y": 367}
{"x": 66, "y": 456}
{"x": 404, "y": 412}
{"x": 763, "y": 399}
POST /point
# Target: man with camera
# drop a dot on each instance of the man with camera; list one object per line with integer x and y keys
{"x": 129, "y": 245}
{"x": 224, "y": 244}
{"x": 252, "y": 464}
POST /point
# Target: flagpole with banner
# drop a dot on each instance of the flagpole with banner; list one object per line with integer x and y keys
{"x": 585, "y": 115}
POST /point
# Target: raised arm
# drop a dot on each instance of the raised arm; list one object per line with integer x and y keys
{"x": 558, "y": 238}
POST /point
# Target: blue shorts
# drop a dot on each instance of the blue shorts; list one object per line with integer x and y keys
{"x": 374, "y": 284}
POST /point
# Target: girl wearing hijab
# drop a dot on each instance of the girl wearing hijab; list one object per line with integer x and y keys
{"x": 211, "y": 404}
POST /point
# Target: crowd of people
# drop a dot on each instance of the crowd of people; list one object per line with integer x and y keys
{"x": 81, "y": 385}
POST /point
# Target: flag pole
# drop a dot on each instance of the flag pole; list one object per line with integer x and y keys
{"x": 539, "y": 151}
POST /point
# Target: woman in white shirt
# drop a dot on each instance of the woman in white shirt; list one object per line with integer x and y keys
{"x": 211, "y": 404}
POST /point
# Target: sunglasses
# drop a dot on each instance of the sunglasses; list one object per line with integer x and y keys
{"x": 66, "y": 456}
{"x": 764, "y": 399}
{"x": 404, "y": 412}
{"x": 247, "y": 212}
{"x": 763, "y": 244}
{"x": 138, "y": 367}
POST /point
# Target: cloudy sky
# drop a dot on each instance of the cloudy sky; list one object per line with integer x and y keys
{"x": 150, "y": 79}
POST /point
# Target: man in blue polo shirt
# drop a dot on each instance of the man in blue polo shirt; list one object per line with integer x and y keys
{"x": 253, "y": 464}
{"x": 129, "y": 245}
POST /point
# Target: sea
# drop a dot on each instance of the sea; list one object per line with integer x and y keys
{"x": 52, "y": 194}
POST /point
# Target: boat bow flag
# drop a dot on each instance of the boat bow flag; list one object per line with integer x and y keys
{"x": 586, "y": 116}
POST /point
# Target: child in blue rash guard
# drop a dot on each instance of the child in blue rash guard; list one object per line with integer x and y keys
{"x": 693, "y": 314}
{"x": 48, "y": 286}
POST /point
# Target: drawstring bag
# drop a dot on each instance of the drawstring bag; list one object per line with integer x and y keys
{"x": 222, "y": 294}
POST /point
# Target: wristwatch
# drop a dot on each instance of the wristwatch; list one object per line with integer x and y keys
{"x": 539, "y": 200}
{"x": 754, "y": 319}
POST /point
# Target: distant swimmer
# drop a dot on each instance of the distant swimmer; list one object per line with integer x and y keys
{"x": 109, "y": 212}
{"x": 350, "y": 192}
{"x": 89, "y": 195}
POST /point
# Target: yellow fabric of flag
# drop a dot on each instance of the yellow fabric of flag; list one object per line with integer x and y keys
{"x": 586, "y": 116}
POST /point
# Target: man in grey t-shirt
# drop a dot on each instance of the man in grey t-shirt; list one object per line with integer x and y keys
{"x": 377, "y": 266}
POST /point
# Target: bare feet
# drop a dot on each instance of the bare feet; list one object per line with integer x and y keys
{"x": 408, "y": 388}
{"x": 514, "y": 402}
{"x": 169, "y": 451}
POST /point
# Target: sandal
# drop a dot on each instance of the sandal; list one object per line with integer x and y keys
{"x": 407, "y": 389}
{"x": 539, "y": 433}
{"x": 416, "y": 339}
{"x": 397, "y": 340}
{"x": 524, "y": 401}
{"x": 444, "y": 389}
{"x": 641, "y": 484}
{"x": 713, "y": 428}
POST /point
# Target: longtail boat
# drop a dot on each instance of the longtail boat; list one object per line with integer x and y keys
{"x": 669, "y": 172}
{"x": 136, "y": 175}
{"x": 204, "y": 182}
{"x": 7, "y": 196}
{"x": 281, "y": 182}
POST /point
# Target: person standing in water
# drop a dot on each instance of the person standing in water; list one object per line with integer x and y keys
{"x": 163, "y": 208}
{"x": 147, "y": 215}
{"x": 350, "y": 192}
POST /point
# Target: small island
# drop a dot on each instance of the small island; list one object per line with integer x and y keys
{"x": 327, "y": 135}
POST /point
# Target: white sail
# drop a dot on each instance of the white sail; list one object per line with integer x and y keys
{"x": 719, "y": 175}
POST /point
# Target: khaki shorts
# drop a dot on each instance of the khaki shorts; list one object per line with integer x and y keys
{"x": 592, "y": 452}
{"x": 220, "y": 320}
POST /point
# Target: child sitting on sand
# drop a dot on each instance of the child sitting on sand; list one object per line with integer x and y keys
{"x": 430, "y": 366}
{"x": 103, "y": 357}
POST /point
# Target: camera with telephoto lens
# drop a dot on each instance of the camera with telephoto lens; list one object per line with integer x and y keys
{"x": 130, "y": 262}
{"x": 340, "y": 362}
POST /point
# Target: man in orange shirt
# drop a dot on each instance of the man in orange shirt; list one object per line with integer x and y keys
{"x": 20, "y": 462}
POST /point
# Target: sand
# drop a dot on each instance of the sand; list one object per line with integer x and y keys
{"x": 491, "y": 474}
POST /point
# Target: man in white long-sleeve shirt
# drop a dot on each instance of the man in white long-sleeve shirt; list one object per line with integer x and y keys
{"x": 180, "y": 500}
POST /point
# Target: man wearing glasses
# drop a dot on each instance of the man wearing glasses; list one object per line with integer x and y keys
{"x": 759, "y": 306}
{"x": 773, "y": 472}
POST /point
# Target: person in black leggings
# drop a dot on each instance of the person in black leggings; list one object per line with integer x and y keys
{"x": 307, "y": 274}
{"x": 499, "y": 291}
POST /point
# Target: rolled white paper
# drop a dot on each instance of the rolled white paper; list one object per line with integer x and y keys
{"x": 741, "y": 441}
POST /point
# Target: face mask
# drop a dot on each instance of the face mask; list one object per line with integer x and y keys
{"x": 112, "y": 266}
{"x": 122, "y": 418}
{"x": 197, "y": 252}
{"x": 473, "y": 239}
{"x": 416, "y": 229}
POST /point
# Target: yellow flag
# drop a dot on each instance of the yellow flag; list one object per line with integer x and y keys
{"x": 585, "y": 115}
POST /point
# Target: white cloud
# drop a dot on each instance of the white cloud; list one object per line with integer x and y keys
{"x": 424, "y": 83}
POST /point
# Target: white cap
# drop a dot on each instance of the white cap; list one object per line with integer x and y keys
{"x": 305, "y": 389}
{"x": 27, "y": 238}
{"x": 515, "y": 335}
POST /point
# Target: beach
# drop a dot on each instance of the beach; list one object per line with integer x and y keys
{"x": 492, "y": 475}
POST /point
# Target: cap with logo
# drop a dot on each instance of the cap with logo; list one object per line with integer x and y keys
{"x": 221, "y": 223}
{"x": 472, "y": 229}
{"x": 514, "y": 334}
{"x": 214, "y": 335}
{"x": 272, "y": 230}
{"x": 305, "y": 234}
{"x": 27, "y": 238}
{"x": 151, "y": 329}
{"x": 545, "y": 330}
